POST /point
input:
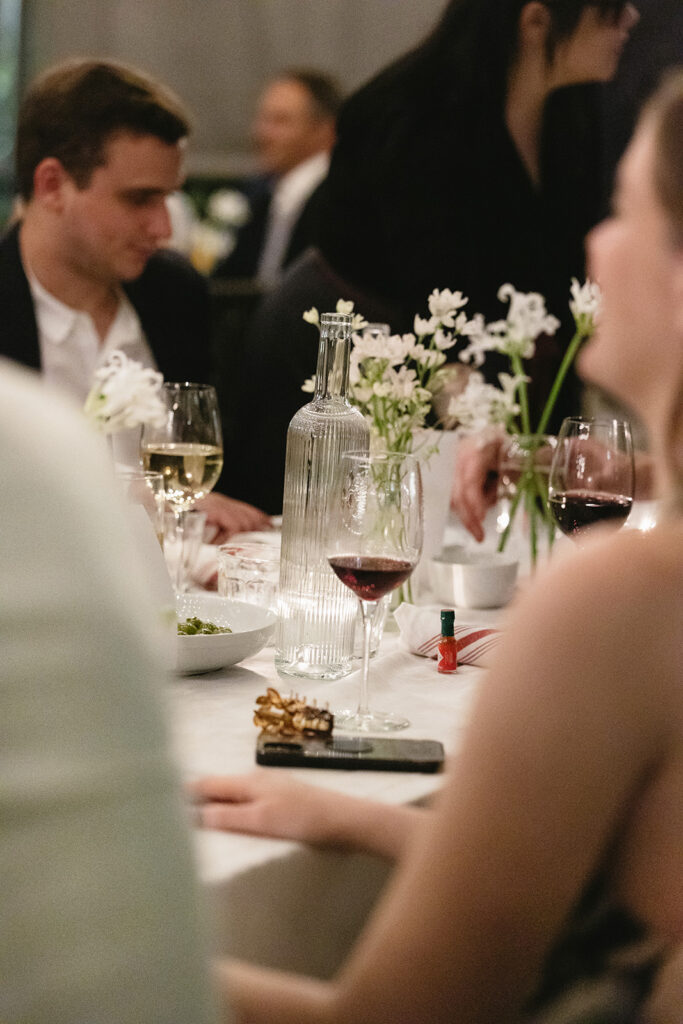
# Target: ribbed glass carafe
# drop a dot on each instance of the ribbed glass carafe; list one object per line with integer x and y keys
{"x": 315, "y": 634}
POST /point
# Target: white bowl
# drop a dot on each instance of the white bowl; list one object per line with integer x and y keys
{"x": 252, "y": 628}
{"x": 473, "y": 579}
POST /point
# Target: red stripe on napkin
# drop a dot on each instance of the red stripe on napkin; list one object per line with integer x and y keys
{"x": 417, "y": 626}
{"x": 465, "y": 639}
{"x": 479, "y": 642}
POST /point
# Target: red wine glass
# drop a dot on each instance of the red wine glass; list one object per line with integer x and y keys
{"x": 376, "y": 541}
{"x": 591, "y": 475}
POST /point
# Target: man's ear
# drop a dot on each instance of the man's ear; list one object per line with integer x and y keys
{"x": 49, "y": 179}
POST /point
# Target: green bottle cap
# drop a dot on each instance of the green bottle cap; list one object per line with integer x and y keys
{"x": 447, "y": 621}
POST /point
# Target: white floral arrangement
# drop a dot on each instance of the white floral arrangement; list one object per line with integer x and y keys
{"x": 482, "y": 407}
{"x": 393, "y": 379}
{"x": 125, "y": 394}
{"x": 482, "y": 404}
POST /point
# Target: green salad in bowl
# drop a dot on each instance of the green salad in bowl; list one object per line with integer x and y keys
{"x": 215, "y": 632}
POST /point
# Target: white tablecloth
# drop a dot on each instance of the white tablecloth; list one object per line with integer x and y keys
{"x": 275, "y": 901}
{"x": 278, "y": 902}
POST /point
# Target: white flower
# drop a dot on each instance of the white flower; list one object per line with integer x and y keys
{"x": 481, "y": 341}
{"x": 308, "y": 385}
{"x": 344, "y": 307}
{"x": 362, "y": 393}
{"x": 125, "y": 394}
{"x": 481, "y": 404}
{"x": 228, "y": 206}
{"x": 382, "y": 388}
{"x": 445, "y": 305}
{"x": 527, "y": 319}
{"x": 423, "y": 326}
{"x": 427, "y": 357}
{"x": 443, "y": 340}
{"x": 390, "y": 375}
{"x": 311, "y": 316}
{"x": 510, "y": 384}
{"x": 402, "y": 382}
{"x": 369, "y": 345}
{"x": 585, "y": 303}
{"x": 460, "y": 323}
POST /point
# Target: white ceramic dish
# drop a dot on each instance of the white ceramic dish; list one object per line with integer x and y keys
{"x": 473, "y": 579}
{"x": 252, "y": 628}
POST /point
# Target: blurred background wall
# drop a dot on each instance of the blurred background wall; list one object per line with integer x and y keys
{"x": 217, "y": 53}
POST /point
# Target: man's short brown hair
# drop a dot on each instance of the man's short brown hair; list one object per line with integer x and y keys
{"x": 324, "y": 92}
{"x": 73, "y": 110}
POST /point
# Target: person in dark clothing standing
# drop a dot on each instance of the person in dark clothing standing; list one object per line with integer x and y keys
{"x": 470, "y": 162}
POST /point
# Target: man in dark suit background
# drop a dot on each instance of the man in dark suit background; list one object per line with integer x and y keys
{"x": 99, "y": 148}
{"x": 294, "y": 130}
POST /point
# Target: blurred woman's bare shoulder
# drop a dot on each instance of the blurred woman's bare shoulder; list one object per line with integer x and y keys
{"x": 615, "y": 602}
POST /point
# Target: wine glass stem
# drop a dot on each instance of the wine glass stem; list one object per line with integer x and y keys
{"x": 179, "y": 514}
{"x": 367, "y": 610}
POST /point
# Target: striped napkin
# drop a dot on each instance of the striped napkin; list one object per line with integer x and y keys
{"x": 420, "y": 629}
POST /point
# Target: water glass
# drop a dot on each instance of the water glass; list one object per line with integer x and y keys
{"x": 144, "y": 489}
{"x": 249, "y": 571}
{"x": 184, "y": 543}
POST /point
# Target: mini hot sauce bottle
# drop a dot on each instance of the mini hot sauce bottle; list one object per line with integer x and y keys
{"x": 447, "y": 645}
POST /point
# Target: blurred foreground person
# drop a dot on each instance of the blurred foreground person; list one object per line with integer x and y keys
{"x": 547, "y": 883}
{"x": 99, "y": 901}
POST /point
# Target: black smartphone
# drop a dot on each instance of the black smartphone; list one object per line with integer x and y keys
{"x": 376, "y": 753}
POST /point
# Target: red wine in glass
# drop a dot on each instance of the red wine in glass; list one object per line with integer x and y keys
{"x": 592, "y": 475}
{"x": 375, "y": 539}
{"x": 371, "y": 577}
{"x": 573, "y": 511}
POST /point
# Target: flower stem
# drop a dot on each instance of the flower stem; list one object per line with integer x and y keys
{"x": 533, "y": 512}
{"x": 511, "y": 518}
{"x": 518, "y": 370}
{"x": 567, "y": 360}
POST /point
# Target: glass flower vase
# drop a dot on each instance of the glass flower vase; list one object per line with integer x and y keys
{"x": 523, "y": 511}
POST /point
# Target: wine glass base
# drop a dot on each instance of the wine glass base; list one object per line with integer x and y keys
{"x": 370, "y": 721}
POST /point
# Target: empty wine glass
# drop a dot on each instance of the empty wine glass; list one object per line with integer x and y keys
{"x": 187, "y": 448}
{"x": 592, "y": 474}
{"x": 375, "y": 543}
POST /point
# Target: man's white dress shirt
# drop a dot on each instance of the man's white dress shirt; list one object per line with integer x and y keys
{"x": 71, "y": 350}
{"x": 289, "y": 198}
{"x": 70, "y": 347}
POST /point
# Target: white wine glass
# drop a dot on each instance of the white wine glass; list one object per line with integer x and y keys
{"x": 375, "y": 543}
{"x": 591, "y": 475}
{"x": 187, "y": 449}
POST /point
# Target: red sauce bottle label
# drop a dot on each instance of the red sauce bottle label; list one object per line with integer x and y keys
{"x": 447, "y": 645}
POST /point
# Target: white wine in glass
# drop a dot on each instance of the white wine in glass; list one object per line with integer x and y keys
{"x": 187, "y": 449}
{"x": 190, "y": 470}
